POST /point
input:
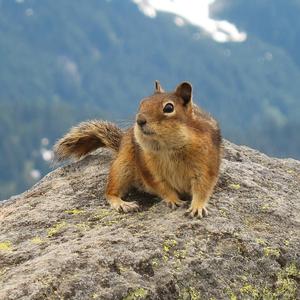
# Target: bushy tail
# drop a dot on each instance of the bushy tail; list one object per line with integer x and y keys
{"x": 87, "y": 137}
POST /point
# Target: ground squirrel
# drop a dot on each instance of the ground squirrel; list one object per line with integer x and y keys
{"x": 174, "y": 148}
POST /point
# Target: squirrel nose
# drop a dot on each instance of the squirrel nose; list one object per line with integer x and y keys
{"x": 141, "y": 120}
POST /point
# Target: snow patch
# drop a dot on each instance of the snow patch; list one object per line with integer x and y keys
{"x": 197, "y": 13}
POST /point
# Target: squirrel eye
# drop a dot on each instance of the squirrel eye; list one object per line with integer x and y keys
{"x": 169, "y": 108}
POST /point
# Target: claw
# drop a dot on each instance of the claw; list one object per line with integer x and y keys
{"x": 196, "y": 212}
{"x": 125, "y": 207}
{"x": 174, "y": 204}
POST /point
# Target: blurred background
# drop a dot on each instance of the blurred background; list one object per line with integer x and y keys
{"x": 65, "y": 61}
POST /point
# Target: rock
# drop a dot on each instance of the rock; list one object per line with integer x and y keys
{"x": 60, "y": 240}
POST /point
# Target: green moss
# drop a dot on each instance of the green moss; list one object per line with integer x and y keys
{"x": 139, "y": 293}
{"x": 269, "y": 251}
{"x": 74, "y": 211}
{"x": 57, "y": 228}
{"x": 6, "y": 246}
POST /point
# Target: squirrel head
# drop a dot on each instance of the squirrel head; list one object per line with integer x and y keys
{"x": 161, "y": 119}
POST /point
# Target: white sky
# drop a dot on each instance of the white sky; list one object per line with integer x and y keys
{"x": 196, "y": 12}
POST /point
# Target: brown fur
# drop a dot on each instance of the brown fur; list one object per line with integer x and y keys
{"x": 87, "y": 137}
{"x": 168, "y": 155}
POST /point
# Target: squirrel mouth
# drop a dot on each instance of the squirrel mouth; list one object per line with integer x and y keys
{"x": 146, "y": 131}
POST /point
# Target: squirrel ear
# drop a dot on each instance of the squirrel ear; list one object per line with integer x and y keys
{"x": 184, "y": 90}
{"x": 158, "y": 88}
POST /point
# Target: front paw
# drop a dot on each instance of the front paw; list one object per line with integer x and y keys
{"x": 196, "y": 212}
{"x": 174, "y": 203}
{"x": 123, "y": 206}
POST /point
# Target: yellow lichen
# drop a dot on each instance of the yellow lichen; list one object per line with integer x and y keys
{"x": 102, "y": 213}
{"x": 189, "y": 293}
{"x": 292, "y": 270}
{"x": 6, "y": 246}
{"x": 165, "y": 258}
{"x": 37, "y": 240}
{"x": 180, "y": 254}
{"x": 110, "y": 222}
{"x": 223, "y": 212}
{"x": 169, "y": 244}
{"x": 233, "y": 297}
{"x": 139, "y": 293}
{"x": 195, "y": 295}
{"x": 286, "y": 288}
{"x": 250, "y": 290}
{"x": 231, "y": 294}
{"x": 244, "y": 278}
{"x": 269, "y": 251}
{"x": 122, "y": 269}
{"x": 286, "y": 285}
{"x": 83, "y": 226}
{"x": 74, "y": 211}
{"x": 265, "y": 207}
{"x": 3, "y": 271}
{"x": 267, "y": 294}
{"x": 155, "y": 262}
{"x": 261, "y": 241}
{"x": 56, "y": 229}
{"x": 235, "y": 186}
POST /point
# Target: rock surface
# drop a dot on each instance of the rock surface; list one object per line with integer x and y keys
{"x": 60, "y": 240}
